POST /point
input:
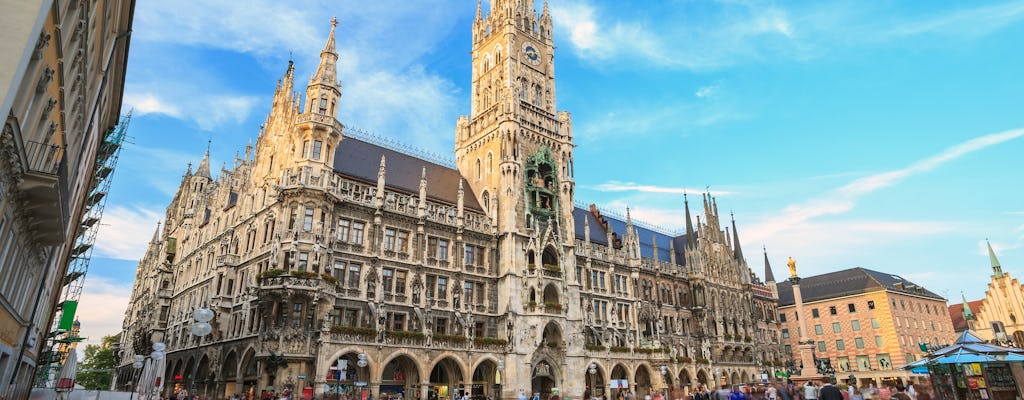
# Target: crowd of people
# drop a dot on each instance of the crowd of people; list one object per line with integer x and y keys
{"x": 783, "y": 390}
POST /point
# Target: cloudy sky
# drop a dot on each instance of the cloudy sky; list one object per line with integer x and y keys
{"x": 876, "y": 134}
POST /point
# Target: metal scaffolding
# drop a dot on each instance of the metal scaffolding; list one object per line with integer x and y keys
{"x": 61, "y": 337}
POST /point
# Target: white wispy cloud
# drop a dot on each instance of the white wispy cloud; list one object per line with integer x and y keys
{"x": 844, "y": 198}
{"x": 597, "y": 35}
{"x": 385, "y": 92}
{"x": 707, "y": 91}
{"x": 125, "y": 231}
{"x": 725, "y": 33}
{"x": 207, "y": 111}
{"x": 969, "y": 21}
{"x": 617, "y": 186}
{"x": 101, "y": 308}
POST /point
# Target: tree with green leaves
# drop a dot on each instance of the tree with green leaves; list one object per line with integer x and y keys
{"x": 96, "y": 369}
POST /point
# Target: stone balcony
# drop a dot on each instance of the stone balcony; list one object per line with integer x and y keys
{"x": 410, "y": 339}
{"x": 44, "y": 190}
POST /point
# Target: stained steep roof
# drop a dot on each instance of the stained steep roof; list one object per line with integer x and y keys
{"x": 360, "y": 159}
{"x": 848, "y": 282}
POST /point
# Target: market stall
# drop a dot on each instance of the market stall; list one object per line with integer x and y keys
{"x": 971, "y": 369}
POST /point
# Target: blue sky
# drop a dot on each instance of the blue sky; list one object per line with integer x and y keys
{"x": 885, "y": 135}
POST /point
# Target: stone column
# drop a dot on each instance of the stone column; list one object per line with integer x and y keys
{"x": 806, "y": 345}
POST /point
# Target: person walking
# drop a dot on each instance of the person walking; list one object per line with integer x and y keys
{"x": 810, "y": 391}
{"x": 829, "y": 391}
{"x": 900, "y": 393}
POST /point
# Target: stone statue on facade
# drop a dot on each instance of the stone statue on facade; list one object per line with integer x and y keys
{"x": 791, "y": 263}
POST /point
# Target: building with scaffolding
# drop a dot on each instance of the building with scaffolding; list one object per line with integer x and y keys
{"x": 61, "y": 85}
{"x": 337, "y": 263}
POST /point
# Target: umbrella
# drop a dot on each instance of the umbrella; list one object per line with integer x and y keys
{"x": 969, "y": 348}
{"x": 66, "y": 378}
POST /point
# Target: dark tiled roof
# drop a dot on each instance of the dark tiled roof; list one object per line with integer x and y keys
{"x": 848, "y": 282}
{"x": 360, "y": 160}
{"x": 956, "y": 313}
{"x": 647, "y": 236}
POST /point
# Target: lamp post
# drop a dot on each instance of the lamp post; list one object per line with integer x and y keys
{"x": 361, "y": 363}
{"x": 501, "y": 367}
{"x": 342, "y": 371}
{"x": 200, "y": 328}
{"x": 592, "y": 370}
{"x": 667, "y": 379}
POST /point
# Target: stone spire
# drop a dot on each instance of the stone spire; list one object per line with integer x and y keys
{"x": 204, "y": 166}
{"x": 381, "y": 173}
{"x": 423, "y": 193}
{"x": 156, "y": 234}
{"x": 586, "y": 230}
{"x": 324, "y": 91}
{"x": 479, "y": 11}
{"x": 654, "y": 238}
{"x": 690, "y": 239}
{"x": 326, "y": 72}
{"x": 997, "y": 270}
{"x": 968, "y": 313}
{"x": 768, "y": 275}
{"x": 737, "y": 251}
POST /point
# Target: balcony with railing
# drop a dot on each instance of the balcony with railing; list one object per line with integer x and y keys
{"x": 44, "y": 187}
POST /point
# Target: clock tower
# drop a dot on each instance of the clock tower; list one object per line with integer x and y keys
{"x": 515, "y": 152}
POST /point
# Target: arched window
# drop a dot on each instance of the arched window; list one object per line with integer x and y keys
{"x": 525, "y": 91}
{"x": 479, "y": 174}
{"x": 536, "y": 95}
{"x": 323, "y": 105}
{"x": 486, "y": 197}
{"x": 490, "y": 163}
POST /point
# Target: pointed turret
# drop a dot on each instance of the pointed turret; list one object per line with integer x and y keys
{"x": 737, "y": 251}
{"x": 769, "y": 276}
{"x": 690, "y": 239}
{"x": 204, "y": 166}
{"x": 479, "y": 11}
{"x": 968, "y": 313}
{"x": 381, "y": 173}
{"x": 997, "y": 270}
{"x": 156, "y": 234}
{"x": 324, "y": 90}
{"x": 326, "y": 72}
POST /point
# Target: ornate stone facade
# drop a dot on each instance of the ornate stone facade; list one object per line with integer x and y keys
{"x": 61, "y": 82}
{"x": 321, "y": 244}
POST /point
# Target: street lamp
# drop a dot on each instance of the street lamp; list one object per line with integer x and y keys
{"x": 593, "y": 375}
{"x": 200, "y": 328}
{"x": 665, "y": 377}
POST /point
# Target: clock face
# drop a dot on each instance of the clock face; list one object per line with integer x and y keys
{"x": 531, "y": 53}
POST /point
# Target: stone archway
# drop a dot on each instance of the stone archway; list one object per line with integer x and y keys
{"x": 249, "y": 374}
{"x": 485, "y": 379}
{"x": 229, "y": 373}
{"x": 642, "y": 377}
{"x": 702, "y": 377}
{"x": 399, "y": 376}
{"x": 744, "y": 378}
{"x": 552, "y": 336}
{"x": 734, "y": 378}
{"x": 446, "y": 379}
{"x": 594, "y": 384}
{"x": 543, "y": 378}
{"x": 621, "y": 379}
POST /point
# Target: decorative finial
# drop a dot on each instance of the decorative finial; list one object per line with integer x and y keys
{"x": 334, "y": 22}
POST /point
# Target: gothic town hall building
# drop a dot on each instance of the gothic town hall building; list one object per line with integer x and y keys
{"x": 484, "y": 277}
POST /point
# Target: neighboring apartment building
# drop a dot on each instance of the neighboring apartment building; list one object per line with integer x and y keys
{"x": 322, "y": 244}
{"x": 62, "y": 67}
{"x": 1000, "y": 315}
{"x": 868, "y": 323}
